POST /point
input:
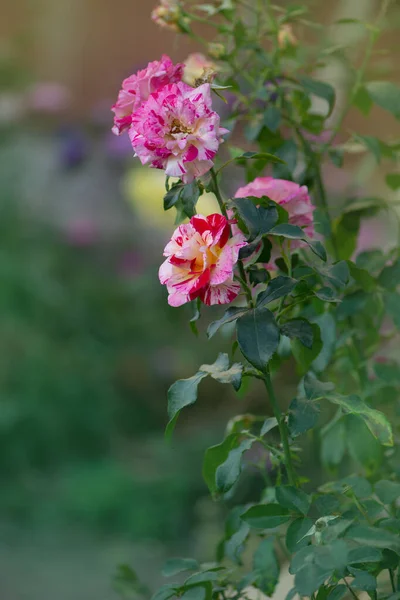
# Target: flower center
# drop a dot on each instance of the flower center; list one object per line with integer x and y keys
{"x": 178, "y": 127}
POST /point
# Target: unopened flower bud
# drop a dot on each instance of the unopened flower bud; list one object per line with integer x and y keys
{"x": 170, "y": 16}
{"x": 216, "y": 50}
{"x": 286, "y": 37}
{"x": 198, "y": 70}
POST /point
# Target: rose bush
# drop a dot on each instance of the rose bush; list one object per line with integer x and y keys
{"x": 284, "y": 250}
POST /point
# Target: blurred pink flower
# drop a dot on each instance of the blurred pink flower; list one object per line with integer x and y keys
{"x": 137, "y": 88}
{"x": 81, "y": 233}
{"x": 201, "y": 258}
{"x": 176, "y": 130}
{"x": 50, "y": 97}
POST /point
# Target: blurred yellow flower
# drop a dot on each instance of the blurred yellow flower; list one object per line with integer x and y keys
{"x": 144, "y": 190}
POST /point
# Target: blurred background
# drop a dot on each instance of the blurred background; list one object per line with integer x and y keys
{"x": 88, "y": 343}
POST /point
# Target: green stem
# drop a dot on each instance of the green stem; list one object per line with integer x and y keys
{"x": 282, "y": 430}
{"x": 217, "y": 193}
{"x": 242, "y": 272}
{"x": 350, "y": 590}
{"x": 392, "y": 580}
{"x": 246, "y": 287}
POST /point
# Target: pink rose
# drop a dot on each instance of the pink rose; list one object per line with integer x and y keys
{"x": 200, "y": 261}
{"x": 292, "y": 197}
{"x": 137, "y": 88}
{"x": 176, "y": 130}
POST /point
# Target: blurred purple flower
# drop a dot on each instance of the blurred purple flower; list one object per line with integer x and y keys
{"x": 73, "y": 147}
{"x": 118, "y": 147}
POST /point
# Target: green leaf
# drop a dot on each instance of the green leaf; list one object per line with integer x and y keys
{"x": 268, "y": 425}
{"x": 173, "y": 566}
{"x": 393, "y": 181}
{"x": 266, "y": 516}
{"x": 364, "y": 555}
{"x": 258, "y": 337}
{"x": 257, "y": 155}
{"x": 216, "y": 456}
{"x": 165, "y": 592}
{"x": 389, "y": 372}
{"x": 372, "y": 144}
{"x": 363, "y": 447}
{"x": 385, "y": 94}
{"x": 317, "y": 248}
{"x": 320, "y": 89}
{"x": 362, "y": 101}
{"x": 333, "y": 446}
{"x": 186, "y": 195}
{"x": 296, "y": 532}
{"x": 126, "y": 583}
{"x": 286, "y": 230}
{"x": 293, "y": 498}
{"x": 303, "y": 558}
{"x": 363, "y": 580}
{"x": 300, "y": 329}
{"x": 199, "y": 591}
{"x": 390, "y": 276}
{"x": 272, "y": 118}
{"x": 277, "y": 288}
{"x": 376, "y": 421}
{"x": 232, "y": 314}
{"x": 204, "y": 576}
{"x": 352, "y": 305}
{"x": 338, "y": 592}
{"x": 266, "y": 567}
{"x": 228, "y": 472}
{"x": 333, "y": 556}
{"x": 346, "y": 234}
{"x": 327, "y": 326}
{"x": 257, "y": 220}
{"x": 387, "y": 491}
{"x": 305, "y": 356}
{"x": 362, "y": 277}
{"x": 303, "y": 415}
{"x": 182, "y": 393}
{"x": 314, "y": 389}
{"x": 310, "y": 578}
{"x": 373, "y": 536}
{"x": 392, "y": 306}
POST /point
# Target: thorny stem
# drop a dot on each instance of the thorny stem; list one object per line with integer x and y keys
{"x": 282, "y": 430}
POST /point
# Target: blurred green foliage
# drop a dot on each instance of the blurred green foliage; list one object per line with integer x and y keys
{"x": 85, "y": 364}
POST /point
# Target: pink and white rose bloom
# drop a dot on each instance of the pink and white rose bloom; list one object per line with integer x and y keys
{"x": 177, "y": 130}
{"x": 201, "y": 258}
{"x": 292, "y": 197}
{"x": 137, "y": 88}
